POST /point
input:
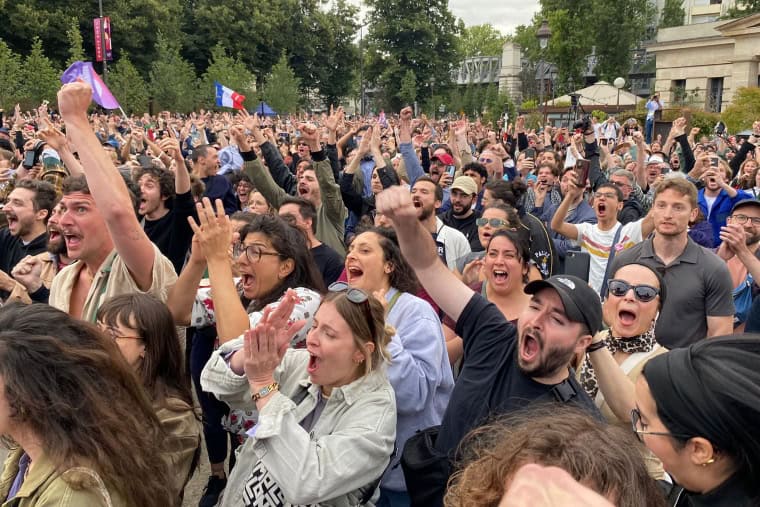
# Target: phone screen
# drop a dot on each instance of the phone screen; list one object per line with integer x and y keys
{"x": 29, "y": 157}
{"x": 530, "y": 153}
{"x": 450, "y": 169}
{"x": 714, "y": 161}
{"x": 582, "y": 169}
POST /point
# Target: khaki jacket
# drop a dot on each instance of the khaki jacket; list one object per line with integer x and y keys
{"x": 49, "y": 270}
{"x": 183, "y": 431}
{"x": 46, "y": 486}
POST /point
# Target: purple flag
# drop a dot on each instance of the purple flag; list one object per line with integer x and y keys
{"x": 100, "y": 92}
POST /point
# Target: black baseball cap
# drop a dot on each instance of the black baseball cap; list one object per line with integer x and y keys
{"x": 746, "y": 202}
{"x": 581, "y": 302}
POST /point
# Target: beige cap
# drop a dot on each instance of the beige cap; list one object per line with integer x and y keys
{"x": 466, "y": 185}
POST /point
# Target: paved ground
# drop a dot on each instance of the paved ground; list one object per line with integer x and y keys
{"x": 194, "y": 488}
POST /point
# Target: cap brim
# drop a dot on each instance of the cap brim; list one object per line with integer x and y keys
{"x": 571, "y": 309}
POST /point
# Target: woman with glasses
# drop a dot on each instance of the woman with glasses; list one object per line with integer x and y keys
{"x": 504, "y": 268}
{"x": 698, "y": 409}
{"x": 419, "y": 368}
{"x": 143, "y": 329}
{"x": 269, "y": 257}
{"x": 327, "y": 414}
{"x": 83, "y": 431}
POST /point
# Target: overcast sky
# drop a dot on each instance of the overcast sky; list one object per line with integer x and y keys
{"x": 504, "y": 15}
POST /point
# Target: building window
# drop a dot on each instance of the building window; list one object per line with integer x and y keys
{"x": 678, "y": 90}
{"x": 714, "y": 94}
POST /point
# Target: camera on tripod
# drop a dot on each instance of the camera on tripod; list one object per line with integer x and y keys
{"x": 583, "y": 125}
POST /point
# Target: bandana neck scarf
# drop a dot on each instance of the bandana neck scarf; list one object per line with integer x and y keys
{"x": 644, "y": 342}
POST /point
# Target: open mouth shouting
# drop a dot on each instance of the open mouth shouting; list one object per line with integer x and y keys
{"x": 12, "y": 219}
{"x": 627, "y": 317}
{"x": 314, "y": 363}
{"x": 500, "y": 275}
{"x": 353, "y": 274}
{"x": 73, "y": 241}
{"x": 303, "y": 189}
{"x": 531, "y": 343}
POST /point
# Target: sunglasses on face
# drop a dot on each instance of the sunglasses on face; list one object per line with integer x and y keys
{"x": 357, "y": 297}
{"x": 493, "y": 222}
{"x": 485, "y": 160}
{"x": 643, "y": 293}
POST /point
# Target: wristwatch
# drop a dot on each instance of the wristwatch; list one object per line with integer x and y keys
{"x": 596, "y": 346}
{"x": 264, "y": 391}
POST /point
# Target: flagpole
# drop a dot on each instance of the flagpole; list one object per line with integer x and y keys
{"x": 103, "y": 43}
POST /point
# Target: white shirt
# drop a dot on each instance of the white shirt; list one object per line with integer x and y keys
{"x": 598, "y": 244}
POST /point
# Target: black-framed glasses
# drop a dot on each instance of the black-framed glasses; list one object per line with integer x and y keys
{"x": 644, "y": 293}
{"x": 742, "y": 219}
{"x": 357, "y": 297}
{"x": 636, "y": 422}
{"x": 493, "y": 222}
{"x": 252, "y": 252}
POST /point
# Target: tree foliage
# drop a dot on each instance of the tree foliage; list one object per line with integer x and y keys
{"x": 76, "y": 48}
{"x": 744, "y": 8}
{"x": 11, "y": 70}
{"x": 417, "y": 36}
{"x": 229, "y": 71}
{"x": 672, "y": 14}
{"x": 407, "y": 94}
{"x": 128, "y": 86}
{"x": 173, "y": 83}
{"x": 480, "y": 40}
{"x": 40, "y": 79}
{"x": 281, "y": 89}
{"x": 744, "y": 109}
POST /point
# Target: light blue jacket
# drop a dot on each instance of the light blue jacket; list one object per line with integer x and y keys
{"x": 414, "y": 170}
{"x": 419, "y": 373}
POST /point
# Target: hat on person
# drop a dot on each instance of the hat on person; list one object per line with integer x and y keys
{"x": 746, "y": 202}
{"x": 581, "y": 302}
{"x": 620, "y": 146}
{"x": 445, "y": 158}
{"x": 466, "y": 185}
{"x": 655, "y": 159}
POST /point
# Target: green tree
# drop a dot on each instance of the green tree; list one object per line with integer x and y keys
{"x": 128, "y": 86}
{"x": 281, "y": 89}
{"x": 11, "y": 72}
{"x": 628, "y": 22}
{"x": 40, "y": 79}
{"x": 173, "y": 82}
{"x": 407, "y": 93}
{"x": 229, "y": 71}
{"x": 744, "y": 109}
{"x": 403, "y": 35}
{"x": 483, "y": 40}
{"x": 672, "y": 14}
{"x": 76, "y": 49}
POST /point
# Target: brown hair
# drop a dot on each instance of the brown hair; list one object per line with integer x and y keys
{"x": 355, "y": 316}
{"x": 607, "y": 458}
{"x": 680, "y": 185}
{"x": 162, "y": 370}
{"x": 77, "y": 394}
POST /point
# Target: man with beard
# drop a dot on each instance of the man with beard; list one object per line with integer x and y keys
{"x": 462, "y": 215}
{"x": 27, "y": 211}
{"x": 597, "y": 239}
{"x": 507, "y": 368}
{"x": 741, "y": 239}
{"x": 316, "y": 184}
{"x": 699, "y": 302}
{"x": 34, "y": 274}
{"x": 450, "y": 243}
{"x": 165, "y": 204}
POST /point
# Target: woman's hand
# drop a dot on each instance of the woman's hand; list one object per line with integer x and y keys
{"x": 471, "y": 272}
{"x": 214, "y": 232}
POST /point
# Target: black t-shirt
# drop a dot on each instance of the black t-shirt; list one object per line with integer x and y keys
{"x": 490, "y": 382}
{"x": 13, "y": 249}
{"x": 172, "y": 233}
{"x": 466, "y": 226}
{"x": 329, "y": 263}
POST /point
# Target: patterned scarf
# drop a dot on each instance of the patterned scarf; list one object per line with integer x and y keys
{"x": 642, "y": 343}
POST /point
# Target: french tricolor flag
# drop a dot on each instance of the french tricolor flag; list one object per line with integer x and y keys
{"x": 226, "y": 97}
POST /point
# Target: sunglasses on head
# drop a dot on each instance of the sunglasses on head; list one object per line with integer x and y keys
{"x": 357, "y": 297}
{"x": 643, "y": 293}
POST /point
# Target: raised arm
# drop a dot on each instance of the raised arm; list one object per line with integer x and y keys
{"x": 558, "y": 223}
{"x": 182, "y": 294}
{"x": 107, "y": 186}
{"x": 405, "y": 147}
{"x": 57, "y": 140}
{"x": 417, "y": 245}
{"x": 617, "y": 388}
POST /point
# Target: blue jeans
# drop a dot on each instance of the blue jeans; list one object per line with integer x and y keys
{"x": 649, "y": 130}
{"x": 389, "y": 498}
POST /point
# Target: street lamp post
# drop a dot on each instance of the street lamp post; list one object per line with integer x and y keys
{"x": 619, "y": 83}
{"x": 103, "y": 42}
{"x": 543, "y": 34}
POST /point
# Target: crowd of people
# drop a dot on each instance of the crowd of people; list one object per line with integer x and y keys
{"x": 386, "y": 311}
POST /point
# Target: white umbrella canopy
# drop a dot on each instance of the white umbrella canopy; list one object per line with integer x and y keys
{"x": 600, "y": 93}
